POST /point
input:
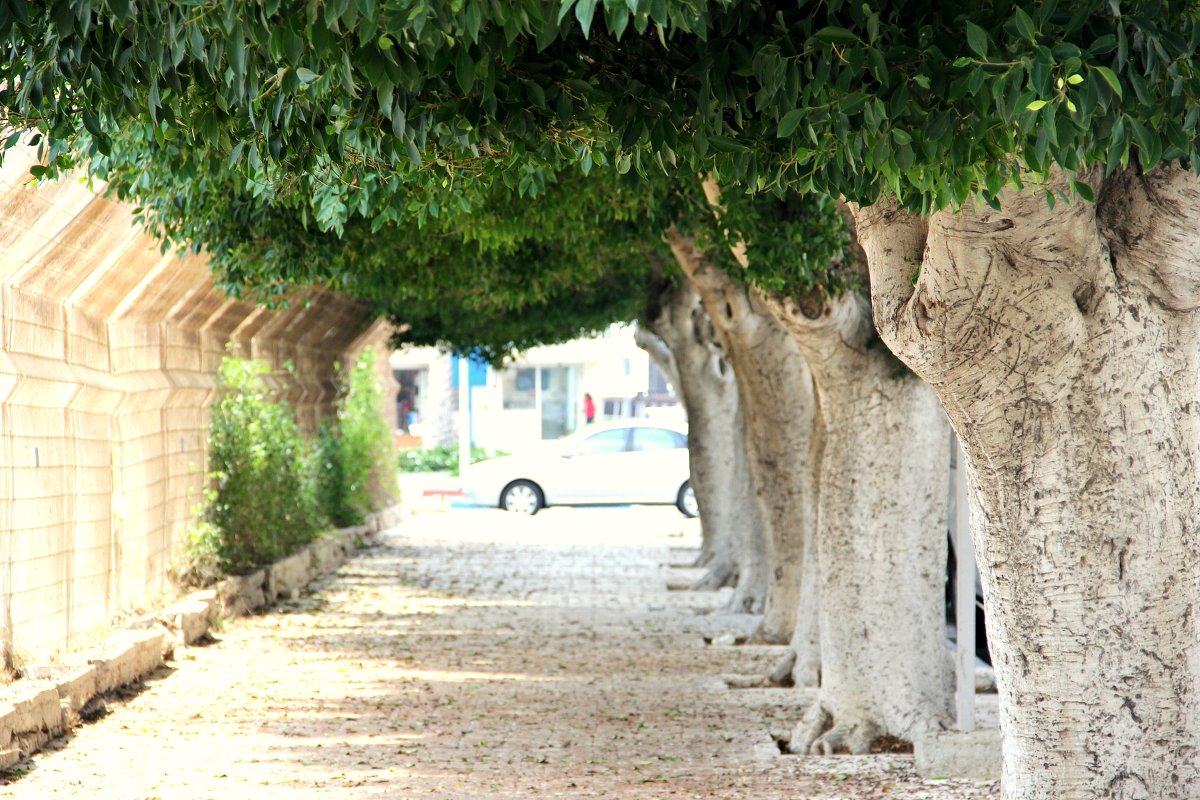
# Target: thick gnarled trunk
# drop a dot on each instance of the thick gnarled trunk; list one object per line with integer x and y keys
{"x": 684, "y": 344}
{"x": 880, "y": 537}
{"x": 777, "y": 400}
{"x": 1063, "y": 344}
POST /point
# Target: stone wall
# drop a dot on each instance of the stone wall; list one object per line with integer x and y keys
{"x": 108, "y": 350}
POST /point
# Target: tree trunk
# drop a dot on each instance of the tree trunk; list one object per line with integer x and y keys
{"x": 1063, "y": 344}
{"x": 715, "y": 549}
{"x": 717, "y": 447}
{"x": 881, "y": 537}
{"x": 777, "y": 399}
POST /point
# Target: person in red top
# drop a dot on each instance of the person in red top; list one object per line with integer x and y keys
{"x": 589, "y": 408}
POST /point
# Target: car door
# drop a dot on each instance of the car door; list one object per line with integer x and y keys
{"x": 593, "y": 470}
{"x": 659, "y": 464}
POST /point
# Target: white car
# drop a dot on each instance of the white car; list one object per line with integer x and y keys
{"x": 615, "y": 462}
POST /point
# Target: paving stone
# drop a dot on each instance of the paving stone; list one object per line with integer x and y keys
{"x": 475, "y": 656}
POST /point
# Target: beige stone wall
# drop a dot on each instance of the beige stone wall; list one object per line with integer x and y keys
{"x": 108, "y": 350}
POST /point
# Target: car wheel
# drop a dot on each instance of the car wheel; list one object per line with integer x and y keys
{"x": 686, "y": 501}
{"x": 523, "y": 497}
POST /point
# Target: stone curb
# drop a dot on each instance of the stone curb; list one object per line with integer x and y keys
{"x": 47, "y": 702}
{"x": 959, "y": 754}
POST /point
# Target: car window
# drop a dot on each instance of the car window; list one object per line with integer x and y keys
{"x": 657, "y": 439}
{"x": 604, "y": 442}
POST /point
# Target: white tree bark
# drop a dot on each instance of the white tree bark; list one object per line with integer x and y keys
{"x": 777, "y": 400}
{"x": 880, "y": 537}
{"x": 733, "y": 538}
{"x": 716, "y": 548}
{"x": 1063, "y": 344}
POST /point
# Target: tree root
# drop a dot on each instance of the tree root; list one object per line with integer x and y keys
{"x": 761, "y": 636}
{"x": 806, "y": 672}
{"x": 782, "y": 674}
{"x": 819, "y": 733}
{"x": 745, "y": 601}
{"x": 719, "y": 575}
{"x": 745, "y": 681}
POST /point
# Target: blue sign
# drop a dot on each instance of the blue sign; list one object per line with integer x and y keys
{"x": 477, "y": 372}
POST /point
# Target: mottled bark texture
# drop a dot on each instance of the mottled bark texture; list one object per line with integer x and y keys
{"x": 684, "y": 341}
{"x": 716, "y": 549}
{"x": 777, "y": 402}
{"x": 1063, "y": 345}
{"x": 880, "y": 536}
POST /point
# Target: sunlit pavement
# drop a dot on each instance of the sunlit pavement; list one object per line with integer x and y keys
{"x": 473, "y": 654}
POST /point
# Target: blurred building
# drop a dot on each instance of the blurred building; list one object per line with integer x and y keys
{"x": 537, "y": 396}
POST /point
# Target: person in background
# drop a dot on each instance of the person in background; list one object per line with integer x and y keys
{"x": 589, "y": 408}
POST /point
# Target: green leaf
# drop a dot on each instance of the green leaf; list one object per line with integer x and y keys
{"x": 1025, "y": 25}
{"x": 237, "y": 52}
{"x": 563, "y": 10}
{"x": 723, "y": 144}
{"x": 1085, "y": 191}
{"x": 535, "y": 92}
{"x": 1111, "y": 79}
{"x": 835, "y": 35}
{"x": 414, "y": 155}
{"x": 91, "y": 122}
{"x": 1139, "y": 87}
{"x": 584, "y": 11}
{"x": 306, "y": 75}
{"x": 1036, "y": 105}
{"x": 473, "y": 20}
{"x": 791, "y": 120}
{"x": 464, "y": 70}
{"x": 1105, "y": 44}
{"x": 854, "y": 102}
{"x": 977, "y": 39}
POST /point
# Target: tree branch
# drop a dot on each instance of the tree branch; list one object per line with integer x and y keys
{"x": 894, "y": 242}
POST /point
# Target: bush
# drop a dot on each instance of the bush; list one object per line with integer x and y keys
{"x": 356, "y": 469}
{"x": 262, "y": 501}
{"x": 441, "y": 458}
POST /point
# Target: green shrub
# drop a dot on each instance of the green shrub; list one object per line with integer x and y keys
{"x": 355, "y": 463}
{"x": 331, "y": 475}
{"x": 441, "y": 458}
{"x": 262, "y": 501}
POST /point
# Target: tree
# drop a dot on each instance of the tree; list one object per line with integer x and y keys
{"x": 1080, "y": 316}
{"x": 879, "y": 455}
{"x": 775, "y": 392}
{"x": 685, "y": 341}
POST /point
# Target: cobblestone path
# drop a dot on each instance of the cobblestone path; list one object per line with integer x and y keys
{"x": 471, "y": 655}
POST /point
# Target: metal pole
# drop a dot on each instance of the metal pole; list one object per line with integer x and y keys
{"x": 464, "y": 415}
{"x": 964, "y": 597}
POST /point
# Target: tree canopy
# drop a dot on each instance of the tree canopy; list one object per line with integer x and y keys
{"x": 386, "y": 148}
{"x": 344, "y": 101}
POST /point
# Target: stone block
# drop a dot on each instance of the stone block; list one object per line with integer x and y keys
{"x": 326, "y": 554}
{"x": 77, "y": 686}
{"x": 973, "y": 755}
{"x": 36, "y": 714}
{"x": 8, "y": 718}
{"x": 286, "y": 577}
{"x": 128, "y": 656}
{"x": 10, "y": 741}
{"x": 209, "y": 598}
{"x": 385, "y": 519}
{"x": 188, "y": 619}
{"x": 239, "y": 594}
